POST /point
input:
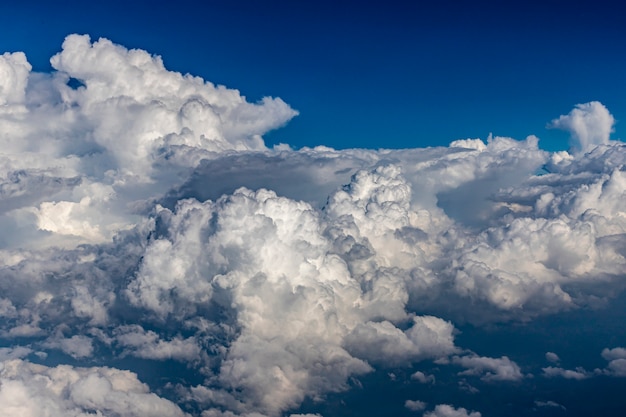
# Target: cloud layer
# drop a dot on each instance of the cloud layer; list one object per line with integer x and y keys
{"x": 145, "y": 218}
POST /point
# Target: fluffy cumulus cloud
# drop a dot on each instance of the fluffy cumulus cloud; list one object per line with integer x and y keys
{"x": 423, "y": 378}
{"x": 617, "y": 361}
{"x": 489, "y": 369}
{"x": 590, "y": 124}
{"x": 147, "y": 226}
{"x": 75, "y": 159}
{"x": 415, "y": 405}
{"x": 552, "y": 357}
{"x": 553, "y": 372}
{"x": 550, "y": 404}
{"x": 445, "y": 410}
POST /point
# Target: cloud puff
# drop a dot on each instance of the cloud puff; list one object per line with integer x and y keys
{"x": 14, "y": 69}
{"x": 552, "y": 357}
{"x": 590, "y": 124}
{"x": 550, "y": 404}
{"x": 415, "y": 405}
{"x": 578, "y": 373}
{"x": 615, "y": 353}
{"x": 128, "y": 132}
{"x": 491, "y": 369}
{"x": 294, "y": 304}
{"x": 617, "y": 361}
{"x": 423, "y": 378}
{"x": 30, "y": 389}
{"x": 445, "y": 410}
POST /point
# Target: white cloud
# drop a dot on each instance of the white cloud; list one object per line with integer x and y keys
{"x": 552, "y": 357}
{"x": 76, "y": 346}
{"x": 27, "y": 389}
{"x": 423, "y": 378}
{"x": 615, "y": 353}
{"x": 553, "y": 372}
{"x": 466, "y": 386}
{"x": 445, "y": 410}
{"x": 148, "y": 345}
{"x": 617, "y": 367}
{"x": 14, "y": 69}
{"x": 617, "y": 361}
{"x": 14, "y": 353}
{"x": 590, "y": 124}
{"x": 490, "y": 369}
{"x": 415, "y": 405}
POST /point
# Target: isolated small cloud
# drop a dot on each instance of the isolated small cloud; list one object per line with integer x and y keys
{"x": 617, "y": 361}
{"x": 140, "y": 343}
{"x": 556, "y": 372}
{"x": 552, "y": 357}
{"x": 415, "y": 405}
{"x": 614, "y": 353}
{"x": 550, "y": 404}
{"x": 589, "y": 124}
{"x": 445, "y": 410}
{"x": 76, "y": 346}
{"x": 14, "y": 70}
{"x": 466, "y": 386}
{"x": 489, "y": 369}
{"x": 18, "y": 352}
{"x": 423, "y": 378}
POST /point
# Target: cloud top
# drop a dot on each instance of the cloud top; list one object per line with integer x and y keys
{"x": 589, "y": 124}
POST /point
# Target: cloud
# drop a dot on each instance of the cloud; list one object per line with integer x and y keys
{"x": 617, "y": 361}
{"x": 415, "y": 405}
{"x": 77, "y": 346}
{"x": 30, "y": 389}
{"x": 549, "y": 404}
{"x": 616, "y": 367}
{"x": 148, "y": 345}
{"x": 491, "y": 369}
{"x": 14, "y": 69}
{"x": 590, "y": 124}
{"x": 422, "y": 377}
{"x": 552, "y": 357}
{"x": 615, "y": 353}
{"x": 383, "y": 343}
{"x": 554, "y": 372}
{"x": 445, "y": 410}
{"x": 14, "y": 353}
{"x": 145, "y": 222}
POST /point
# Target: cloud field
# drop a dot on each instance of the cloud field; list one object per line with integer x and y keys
{"x": 148, "y": 230}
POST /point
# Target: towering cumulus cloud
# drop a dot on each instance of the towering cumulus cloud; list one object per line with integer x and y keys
{"x": 590, "y": 125}
{"x": 158, "y": 259}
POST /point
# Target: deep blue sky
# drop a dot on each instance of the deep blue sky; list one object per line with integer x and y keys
{"x": 368, "y": 74}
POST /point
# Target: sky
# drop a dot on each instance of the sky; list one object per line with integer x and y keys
{"x": 366, "y": 74}
{"x": 268, "y": 209}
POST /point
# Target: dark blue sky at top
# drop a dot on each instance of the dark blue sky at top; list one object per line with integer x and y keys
{"x": 368, "y": 74}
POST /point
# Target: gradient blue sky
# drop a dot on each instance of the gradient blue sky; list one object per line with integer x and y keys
{"x": 368, "y": 74}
